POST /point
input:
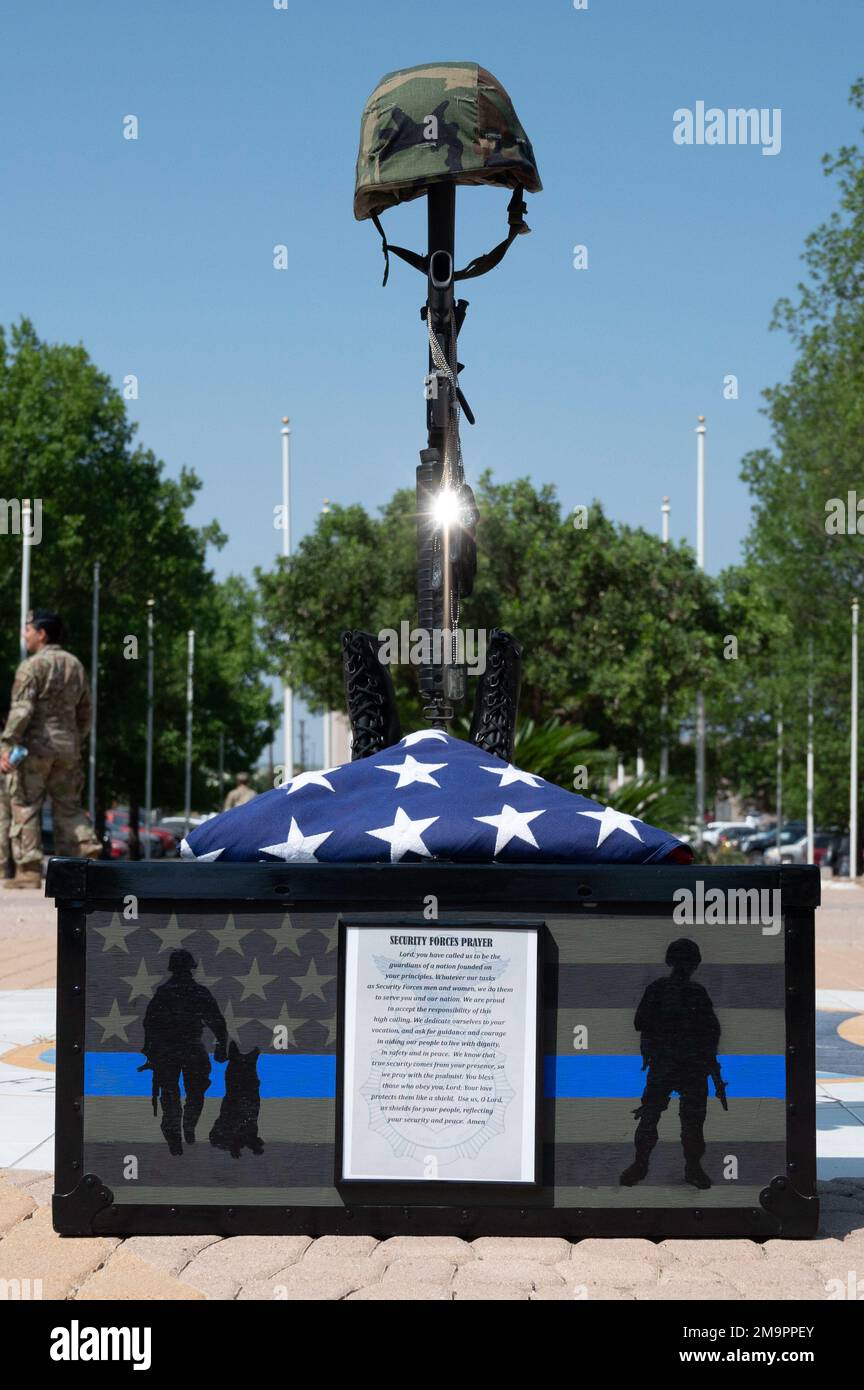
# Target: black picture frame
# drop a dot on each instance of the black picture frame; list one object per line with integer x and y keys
{"x": 442, "y": 923}
{"x": 84, "y": 1205}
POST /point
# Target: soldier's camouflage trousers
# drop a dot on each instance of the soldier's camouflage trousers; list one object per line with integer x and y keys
{"x": 692, "y": 1087}
{"x": 5, "y": 820}
{"x": 62, "y": 780}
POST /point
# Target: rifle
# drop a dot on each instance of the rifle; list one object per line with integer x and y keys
{"x": 446, "y": 510}
{"x": 154, "y": 1092}
{"x": 719, "y": 1083}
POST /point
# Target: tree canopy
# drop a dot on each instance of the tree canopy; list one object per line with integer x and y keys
{"x": 65, "y": 439}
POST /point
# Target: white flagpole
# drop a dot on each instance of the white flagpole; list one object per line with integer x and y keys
{"x": 700, "y": 560}
{"x": 810, "y": 772}
{"x": 853, "y": 752}
{"x": 94, "y": 695}
{"x": 148, "y": 767}
{"x": 664, "y": 708}
{"x": 287, "y": 693}
{"x": 190, "y": 676}
{"x": 26, "y": 533}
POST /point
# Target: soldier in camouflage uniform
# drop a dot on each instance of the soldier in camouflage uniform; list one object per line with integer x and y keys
{"x": 240, "y": 794}
{"x": 5, "y": 825}
{"x": 49, "y": 715}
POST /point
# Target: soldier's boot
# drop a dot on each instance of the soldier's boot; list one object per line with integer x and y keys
{"x": 635, "y": 1173}
{"x": 370, "y": 696}
{"x": 171, "y": 1120}
{"x": 496, "y": 702}
{"x": 190, "y": 1120}
{"x": 27, "y": 878}
{"x": 695, "y": 1174}
{"x": 644, "y": 1141}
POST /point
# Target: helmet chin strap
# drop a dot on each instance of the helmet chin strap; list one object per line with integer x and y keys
{"x": 516, "y": 210}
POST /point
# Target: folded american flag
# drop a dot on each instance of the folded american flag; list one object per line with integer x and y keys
{"x": 430, "y": 796}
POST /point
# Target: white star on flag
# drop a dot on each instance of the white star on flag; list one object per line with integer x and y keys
{"x": 511, "y": 824}
{"x": 411, "y": 771}
{"x": 410, "y": 739}
{"x": 510, "y": 774}
{"x": 611, "y": 821}
{"x": 187, "y": 852}
{"x": 404, "y": 835}
{"x": 311, "y": 779}
{"x": 299, "y": 848}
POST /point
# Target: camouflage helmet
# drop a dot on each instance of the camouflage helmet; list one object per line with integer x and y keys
{"x": 684, "y": 952}
{"x": 439, "y": 122}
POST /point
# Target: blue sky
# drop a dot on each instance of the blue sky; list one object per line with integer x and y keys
{"x": 157, "y": 253}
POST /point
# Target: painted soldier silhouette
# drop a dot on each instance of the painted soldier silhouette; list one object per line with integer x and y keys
{"x": 175, "y": 1019}
{"x": 679, "y": 1036}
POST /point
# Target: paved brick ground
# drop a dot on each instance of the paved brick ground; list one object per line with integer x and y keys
{"x": 435, "y": 1267}
{"x": 335, "y": 1268}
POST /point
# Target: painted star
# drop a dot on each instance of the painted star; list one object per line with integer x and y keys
{"x": 171, "y": 938}
{"x": 310, "y": 779}
{"x": 331, "y": 934}
{"x": 233, "y": 1023}
{"x": 141, "y": 984}
{"x": 187, "y": 852}
{"x": 285, "y": 1021}
{"x": 115, "y": 1023}
{"x": 510, "y": 774}
{"x": 312, "y": 983}
{"x": 254, "y": 982}
{"x": 287, "y": 937}
{"x": 411, "y": 771}
{"x": 330, "y": 1025}
{"x": 298, "y": 848}
{"x": 115, "y": 935}
{"x": 404, "y": 835}
{"x": 511, "y": 824}
{"x": 230, "y": 937}
{"x": 410, "y": 739}
{"x": 610, "y": 821}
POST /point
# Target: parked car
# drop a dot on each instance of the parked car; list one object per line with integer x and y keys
{"x": 715, "y": 828}
{"x": 733, "y": 835}
{"x": 756, "y": 844}
{"x": 795, "y": 851}
{"x": 176, "y": 825}
{"x": 162, "y": 842}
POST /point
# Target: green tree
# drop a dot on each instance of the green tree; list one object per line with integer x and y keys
{"x": 65, "y": 439}
{"x": 805, "y": 572}
{"x": 613, "y": 623}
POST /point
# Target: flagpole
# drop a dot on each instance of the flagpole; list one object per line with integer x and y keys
{"x": 779, "y": 776}
{"x": 810, "y": 770}
{"x": 26, "y": 531}
{"x": 287, "y": 692}
{"x": 94, "y": 695}
{"x": 700, "y": 561}
{"x": 664, "y": 708}
{"x": 853, "y": 752}
{"x": 148, "y": 767}
{"x": 190, "y": 674}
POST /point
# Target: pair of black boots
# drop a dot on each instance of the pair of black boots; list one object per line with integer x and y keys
{"x": 371, "y": 698}
{"x": 694, "y": 1173}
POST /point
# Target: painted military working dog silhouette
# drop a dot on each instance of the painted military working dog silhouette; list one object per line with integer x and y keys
{"x": 236, "y": 1127}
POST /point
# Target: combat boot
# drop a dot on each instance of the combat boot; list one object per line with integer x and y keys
{"x": 369, "y": 694}
{"x": 635, "y": 1173}
{"x": 496, "y": 702}
{"x": 32, "y": 879}
{"x": 695, "y": 1174}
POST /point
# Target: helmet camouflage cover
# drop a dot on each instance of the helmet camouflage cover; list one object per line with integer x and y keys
{"x": 439, "y": 122}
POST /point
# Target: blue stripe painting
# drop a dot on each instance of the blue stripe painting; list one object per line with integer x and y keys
{"x": 313, "y": 1075}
